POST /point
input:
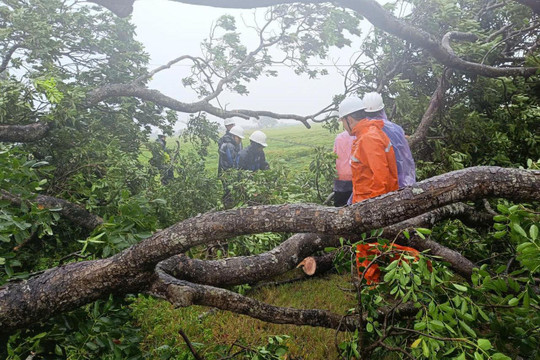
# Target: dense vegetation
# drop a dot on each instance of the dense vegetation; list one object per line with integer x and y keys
{"x": 81, "y": 184}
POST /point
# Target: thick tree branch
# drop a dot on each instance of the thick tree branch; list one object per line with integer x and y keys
{"x": 24, "y": 133}
{"x": 252, "y": 269}
{"x": 121, "y": 8}
{"x": 249, "y": 269}
{"x": 457, "y": 261}
{"x": 75, "y": 213}
{"x": 456, "y": 35}
{"x": 70, "y": 286}
{"x": 143, "y": 93}
{"x": 183, "y": 293}
{"x": 7, "y": 57}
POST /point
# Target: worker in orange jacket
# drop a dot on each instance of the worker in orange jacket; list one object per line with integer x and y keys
{"x": 373, "y": 162}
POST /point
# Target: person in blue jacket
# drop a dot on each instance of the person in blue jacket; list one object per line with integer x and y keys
{"x": 228, "y": 147}
{"x": 253, "y": 158}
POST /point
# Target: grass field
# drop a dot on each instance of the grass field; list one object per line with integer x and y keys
{"x": 292, "y": 144}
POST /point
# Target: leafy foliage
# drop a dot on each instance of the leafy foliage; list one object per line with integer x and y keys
{"x": 57, "y": 52}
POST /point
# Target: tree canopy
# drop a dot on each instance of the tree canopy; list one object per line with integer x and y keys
{"x": 86, "y": 218}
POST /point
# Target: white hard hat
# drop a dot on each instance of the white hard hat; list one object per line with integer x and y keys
{"x": 238, "y": 131}
{"x": 259, "y": 137}
{"x": 373, "y": 102}
{"x": 350, "y": 105}
{"x": 228, "y": 122}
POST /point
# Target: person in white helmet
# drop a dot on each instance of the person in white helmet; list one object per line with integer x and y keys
{"x": 228, "y": 159}
{"x": 229, "y": 123}
{"x": 226, "y": 138}
{"x": 229, "y": 148}
{"x": 373, "y": 162}
{"x": 406, "y": 168}
{"x": 253, "y": 158}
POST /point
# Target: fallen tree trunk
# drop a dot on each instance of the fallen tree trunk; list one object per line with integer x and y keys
{"x": 249, "y": 269}
{"x": 67, "y": 287}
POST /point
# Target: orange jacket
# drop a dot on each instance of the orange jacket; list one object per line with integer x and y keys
{"x": 364, "y": 256}
{"x": 373, "y": 161}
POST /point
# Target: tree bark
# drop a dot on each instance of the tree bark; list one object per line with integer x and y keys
{"x": 249, "y": 269}
{"x": 23, "y": 133}
{"x": 121, "y": 8}
{"x": 417, "y": 140}
{"x": 67, "y": 287}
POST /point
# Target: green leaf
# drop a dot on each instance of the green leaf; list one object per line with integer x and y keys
{"x": 369, "y": 327}
{"x": 425, "y": 349}
{"x": 406, "y": 266}
{"x": 500, "y": 218}
{"x": 459, "y": 287}
{"x": 533, "y": 231}
{"x": 39, "y": 336}
{"x": 513, "y": 301}
{"x": 499, "y": 356}
{"x": 499, "y": 234}
{"x": 467, "y": 328}
{"x": 516, "y": 227}
{"x": 503, "y": 209}
{"x": 423, "y": 231}
{"x": 484, "y": 344}
{"x": 91, "y": 346}
{"x": 478, "y": 356}
{"x": 438, "y": 325}
{"x": 415, "y": 344}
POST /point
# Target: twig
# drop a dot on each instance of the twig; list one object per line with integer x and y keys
{"x": 32, "y": 237}
{"x": 188, "y": 343}
{"x": 76, "y": 254}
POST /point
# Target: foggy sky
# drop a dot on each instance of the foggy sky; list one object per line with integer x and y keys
{"x": 171, "y": 29}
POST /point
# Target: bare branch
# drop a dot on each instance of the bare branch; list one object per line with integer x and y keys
{"x": 190, "y": 346}
{"x": 140, "y": 79}
{"x": 143, "y": 93}
{"x": 436, "y": 102}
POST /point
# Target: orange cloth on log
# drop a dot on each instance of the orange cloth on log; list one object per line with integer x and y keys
{"x": 373, "y": 273}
